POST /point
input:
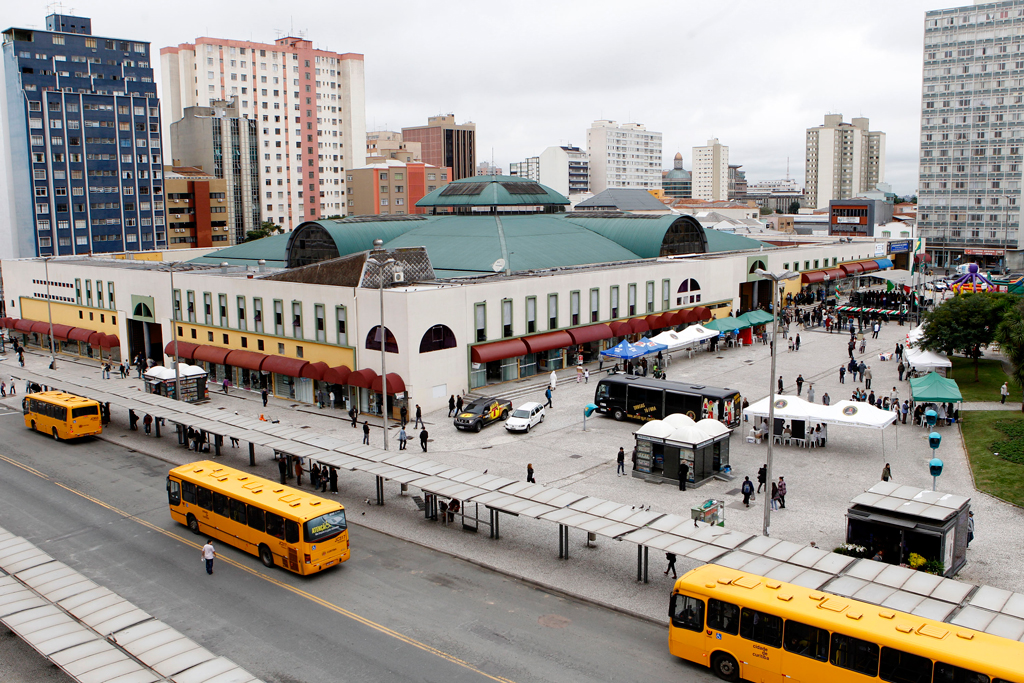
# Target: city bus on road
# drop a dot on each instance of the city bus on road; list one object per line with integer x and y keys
{"x": 60, "y": 415}
{"x": 758, "y": 629}
{"x": 645, "y": 399}
{"x": 279, "y": 524}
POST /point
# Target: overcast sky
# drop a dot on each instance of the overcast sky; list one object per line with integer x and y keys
{"x": 533, "y": 74}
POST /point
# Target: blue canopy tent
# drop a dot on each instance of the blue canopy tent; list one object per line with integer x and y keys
{"x": 624, "y": 350}
{"x": 650, "y": 346}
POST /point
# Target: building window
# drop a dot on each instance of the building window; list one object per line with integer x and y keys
{"x": 506, "y": 318}
{"x": 552, "y": 311}
{"x": 613, "y": 297}
{"x": 241, "y": 314}
{"x": 222, "y": 301}
{"x": 595, "y": 305}
{"x": 208, "y": 308}
{"x": 631, "y": 293}
{"x": 481, "y": 322}
{"x": 666, "y": 295}
{"x": 279, "y": 317}
{"x": 321, "y": 331}
{"x": 650, "y": 296}
{"x": 437, "y": 338}
{"x": 373, "y": 340}
{"x": 531, "y": 314}
{"x": 297, "y": 319}
{"x": 574, "y": 308}
{"x": 257, "y": 314}
{"x": 340, "y": 316}
{"x": 177, "y": 304}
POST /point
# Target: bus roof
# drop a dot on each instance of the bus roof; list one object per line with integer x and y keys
{"x": 269, "y": 495}
{"x": 949, "y": 643}
{"x": 681, "y": 387}
{"x": 62, "y": 398}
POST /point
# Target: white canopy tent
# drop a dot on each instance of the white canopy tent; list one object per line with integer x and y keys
{"x": 926, "y": 361}
{"x": 688, "y": 337}
{"x": 914, "y": 335}
{"x": 184, "y": 370}
{"x": 850, "y": 413}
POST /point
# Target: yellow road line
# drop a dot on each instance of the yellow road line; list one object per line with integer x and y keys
{"x": 297, "y": 591}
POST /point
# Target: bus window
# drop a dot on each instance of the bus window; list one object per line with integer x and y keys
{"x": 173, "y": 492}
{"x": 724, "y": 617}
{"x": 255, "y": 516}
{"x": 203, "y": 498}
{"x": 59, "y": 413}
{"x": 325, "y": 527}
{"x": 85, "y": 410}
{"x": 237, "y": 510}
{"x": 188, "y": 492}
{"x": 807, "y": 641}
{"x": 855, "y": 654}
{"x": 275, "y": 525}
{"x": 25, "y": 404}
{"x": 761, "y": 627}
{"x": 902, "y": 667}
{"x": 947, "y": 673}
{"x": 220, "y": 504}
{"x": 687, "y": 612}
{"x": 291, "y": 531}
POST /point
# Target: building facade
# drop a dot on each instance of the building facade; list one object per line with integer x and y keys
{"x": 858, "y": 217}
{"x": 529, "y": 169}
{"x": 711, "y": 172}
{"x": 737, "y": 182}
{"x": 842, "y": 159}
{"x": 197, "y": 209}
{"x": 225, "y": 145}
{"x": 565, "y": 169}
{"x": 623, "y": 156}
{"x": 969, "y": 191}
{"x": 445, "y": 143}
{"x": 309, "y": 108}
{"x": 81, "y": 154}
{"x": 391, "y": 187}
{"x": 389, "y": 144}
{"x": 677, "y": 183}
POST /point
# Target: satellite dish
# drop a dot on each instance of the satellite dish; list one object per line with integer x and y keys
{"x": 498, "y": 265}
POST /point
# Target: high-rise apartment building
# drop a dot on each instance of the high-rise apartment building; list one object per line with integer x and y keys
{"x": 842, "y": 159}
{"x": 737, "y": 182}
{"x": 528, "y": 169}
{"x": 565, "y": 169}
{"x": 447, "y": 144}
{"x": 197, "y": 209}
{"x": 309, "y": 109}
{"x": 969, "y": 192}
{"x": 626, "y": 155}
{"x": 226, "y": 146}
{"x": 80, "y": 147}
{"x": 711, "y": 171}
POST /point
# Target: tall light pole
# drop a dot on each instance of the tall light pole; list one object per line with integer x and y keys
{"x": 174, "y": 333}
{"x": 382, "y": 265}
{"x": 776, "y": 279}
{"x": 49, "y": 312}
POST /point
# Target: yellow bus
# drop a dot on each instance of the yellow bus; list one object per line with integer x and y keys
{"x": 62, "y": 416}
{"x": 744, "y": 625}
{"x": 281, "y": 525}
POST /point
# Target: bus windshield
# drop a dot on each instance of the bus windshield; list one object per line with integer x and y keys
{"x": 325, "y": 527}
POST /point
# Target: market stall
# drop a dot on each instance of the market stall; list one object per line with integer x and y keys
{"x": 161, "y": 380}
{"x": 802, "y": 415}
{"x": 922, "y": 361}
{"x": 692, "y": 336}
{"x": 663, "y": 446}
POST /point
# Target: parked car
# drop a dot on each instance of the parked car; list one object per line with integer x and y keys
{"x": 524, "y": 417}
{"x": 941, "y": 286}
{"x": 483, "y": 411}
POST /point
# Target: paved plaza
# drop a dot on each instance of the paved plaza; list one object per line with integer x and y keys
{"x": 820, "y": 482}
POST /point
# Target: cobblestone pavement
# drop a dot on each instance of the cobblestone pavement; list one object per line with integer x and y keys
{"x": 821, "y": 482}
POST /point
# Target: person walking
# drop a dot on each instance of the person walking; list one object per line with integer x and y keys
{"x": 886, "y": 473}
{"x": 1004, "y": 391}
{"x": 861, "y": 368}
{"x": 671, "y": 557}
{"x": 282, "y": 466}
{"x": 904, "y": 409}
{"x": 780, "y": 384}
{"x": 762, "y": 477}
{"x": 799, "y": 384}
{"x": 875, "y": 330}
{"x": 298, "y": 471}
{"x": 797, "y": 341}
{"x": 402, "y": 438}
{"x": 147, "y": 423}
{"x": 842, "y": 374}
{"x": 330, "y": 397}
{"x": 970, "y": 527}
{"x": 403, "y": 414}
{"x": 529, "y": 473}
{"x": 810, "y": 392}
{"x": 451, "y": 405}
{"x": 263, "y": 394}
{"x": 782, "y": 493}
{"x": 106, "y": 371}
{"x": 825, "y": 400}
{"x": 748, "y": 490}
{"x": 866, "y": 374}
{"x": 366, "y": 432}
{"x": 208, "y": 553}
{"x": 458, "y": 404}
{"x": 353, "y": 414}
{"x": 419, "y": 418}
{"x": 333, "y": 476}
{"x": 547, "y": 395}
{"x": 850, "y": 347}
{"x": 901, "y": 368}
{"x": 775, "y": 496}
{"x": 423, "y": 439}
{"x": 620, "y": 459}
{"x": 314, "y": 476}
{"x": 586, "y": 375}
{"x": 684, "y": 474}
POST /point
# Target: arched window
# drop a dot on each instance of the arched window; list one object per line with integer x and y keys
{"x": 373, "y": 340}
{"x": 690, "y": 291}
{"x": 755, "y": 265}
{"x": 436, "y": 338}
{"x": 142, "y": 311}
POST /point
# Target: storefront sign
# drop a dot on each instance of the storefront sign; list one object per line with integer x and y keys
{"x": 854, "y": 220}
{"x": 879, "y": 249}
{"x": 902, "y": 246}
{"x": 984, "y": 252}
{"x": 644, "y": 456}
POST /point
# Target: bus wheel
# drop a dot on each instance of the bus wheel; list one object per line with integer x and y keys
{"x": 618, "y": 414}
{"x": 725, "y": 667}
{"x": 56, "y": 437}
{"x": 266, "y": 557}
{"x": 193, "y": 524}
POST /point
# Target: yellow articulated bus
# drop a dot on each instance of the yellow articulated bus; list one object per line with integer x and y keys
{"x": 281, "y": 525}
{"x": 744, "y": 625}
{"x": 62, "y": 416}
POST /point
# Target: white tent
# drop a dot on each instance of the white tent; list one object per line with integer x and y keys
{"x": 688, "y": 337}
{"x": 680, "y": 428}
{"x": 851, "y": 413}
{"x": 184, "y": 370}
{"x": 914, "y": 335}
{"x": 926, "y": 360}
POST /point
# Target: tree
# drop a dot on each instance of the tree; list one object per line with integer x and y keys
{"x": 266, "y": 229}
{"x": 794, "y": 207}
{"x": 766, "y": 211}
{"x": 1010, "y": 335}
{"x": 964, "y": 323}
{"x": 334, "y": 217}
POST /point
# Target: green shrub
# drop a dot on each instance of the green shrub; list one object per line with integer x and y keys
{"x": 1013, "y": 448}
{"x": 934, "y": 567}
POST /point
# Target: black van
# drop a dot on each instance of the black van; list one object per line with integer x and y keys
{"x": 645, "y": 399}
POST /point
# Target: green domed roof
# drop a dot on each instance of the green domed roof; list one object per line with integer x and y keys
{"x": 493, "y": 190}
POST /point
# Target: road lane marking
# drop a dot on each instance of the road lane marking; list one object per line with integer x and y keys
{"x": 277, "y": 582}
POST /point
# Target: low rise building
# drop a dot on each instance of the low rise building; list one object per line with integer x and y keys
{"x": 389, "y": 144}
{"x": 391, "y": 187}
{"x": 197, "y": 209}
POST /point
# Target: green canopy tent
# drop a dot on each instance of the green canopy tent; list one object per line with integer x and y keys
{"x": 756, "y": 317}
{"x": 934, "y": 388}
{"x": 728, "y": 324}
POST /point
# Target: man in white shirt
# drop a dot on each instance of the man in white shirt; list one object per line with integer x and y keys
{"x": 208, "y": 553}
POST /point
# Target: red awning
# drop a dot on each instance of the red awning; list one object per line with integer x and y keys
{"x": 852, "y": 268}
{"x": 315, "y": 370}
{"x": 211, "y": 354}
{"x": 109, "y": 341}
{"x": 811, "y": 278}
{"x": 590, "y": 333}
{"x": 245, "y": 359}
{"x": 80, "y": 334}
{"x": 509, "y": 348}
{"x": 672, "y": 318}
{"x": 835, "y": 274}
{"x": 926, "y": 258}
{"x": 639, "y": 325}
{"x": 870, "y": 266}
{"x": 23, "y": 325}
{"x": 61, "y": 331}
{"x": 95, "y": 338}
{"x": 656, "y": 322}
{"x": 701, "y": 313}
{"x": 338, "y": 375}
{"x": 40, "y": 328}
{"x": 282, "y": 365}
{"x": 548, "y": 341}
{"x": 395, "y": 384}
{"x": 6, "y": 323}
{"x": 362, "y": 378}
{"x": 621, "y": 328}
{"x": 185, "y": 349}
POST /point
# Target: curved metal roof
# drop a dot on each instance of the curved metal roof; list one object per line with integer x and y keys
{"x": 642, "y": 235}
{"x": 493, "y": 190}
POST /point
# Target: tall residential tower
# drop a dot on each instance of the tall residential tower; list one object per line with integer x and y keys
{"x": 626, "y": 155}
{"x": 711, "y": 171}
{"x": 843, "y": 159}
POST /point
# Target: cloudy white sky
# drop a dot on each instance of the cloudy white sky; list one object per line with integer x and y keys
{"x": 532, "y": 74}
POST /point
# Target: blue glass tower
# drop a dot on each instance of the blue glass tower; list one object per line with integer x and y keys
{"x": 81, "y": 153}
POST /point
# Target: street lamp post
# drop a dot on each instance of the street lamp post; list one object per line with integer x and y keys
{"x": 382, "y": 265}
{"x": 174, "y": 333}
{"x": 776, "y": 279}
{"x": 49, "y": 313}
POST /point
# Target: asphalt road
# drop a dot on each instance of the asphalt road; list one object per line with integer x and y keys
{"x": 395, "y": 611}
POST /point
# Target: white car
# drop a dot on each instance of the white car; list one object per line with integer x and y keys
{"x": 525, "y": 416}
{"x": 941, "y": 285}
